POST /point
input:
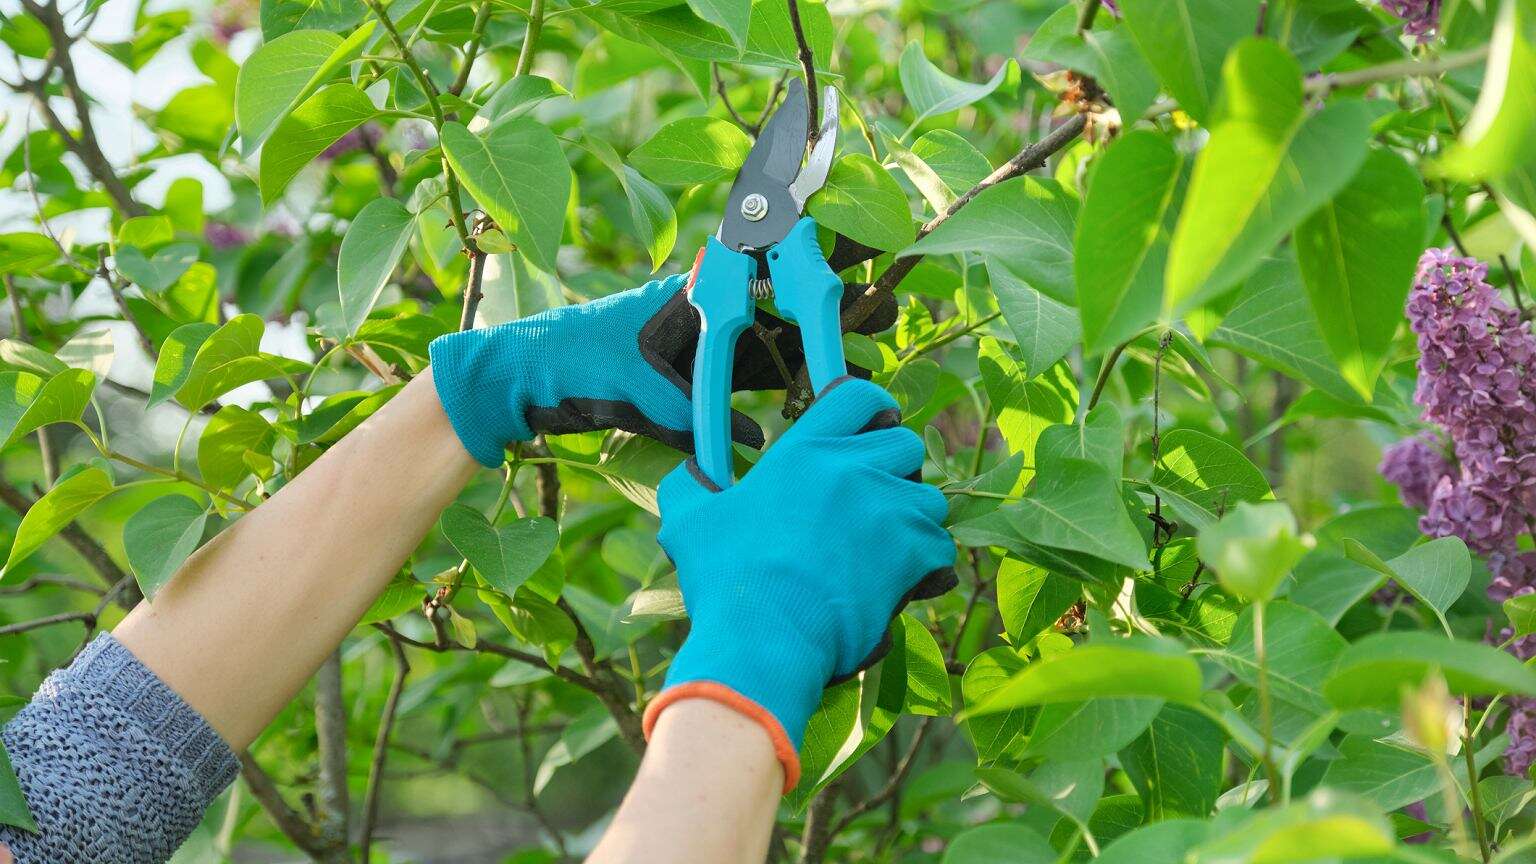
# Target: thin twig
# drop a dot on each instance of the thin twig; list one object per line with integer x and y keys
{"x": 808, "y": 68}
{"x": 1085, "y": 17}
{"x": 288, "y": 820}
{"x": 115, "y": 286}
{"x": 725, "y": 100}
{"x": 1514, "y": 285}
{"x": 381, "y": 749}
{"x": 1109, "y": 365}
{"x": 477, "y": 35}
{"x": 48, "y": 621}
{"x": 472, "y": 288}
{"x": 1322, "y": 85}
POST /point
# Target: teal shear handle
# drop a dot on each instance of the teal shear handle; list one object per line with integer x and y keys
{"x": 720, "y": 292}
{"x": 809, "y": 295}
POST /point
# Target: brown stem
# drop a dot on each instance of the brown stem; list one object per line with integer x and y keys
{"x": 808, "y": 67}
{"x": 817, "y": 834}
{"x": 1086, "y": 16}
{"x": 892, "y": 785}
{"x": 725, "y": 99}
{"x": 1109, "y": 365}
{"x": 288, "y": 820}
{"x": 331, "y": 735}
{"x": 472, "y": 290}
{"x": 381, "y": 749}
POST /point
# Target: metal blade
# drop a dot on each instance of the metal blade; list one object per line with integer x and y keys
{"x": 762, "y": 185}
{"x": 814, "y": 175}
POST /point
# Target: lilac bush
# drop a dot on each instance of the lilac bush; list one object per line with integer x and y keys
{"x": 1476, "y": 357}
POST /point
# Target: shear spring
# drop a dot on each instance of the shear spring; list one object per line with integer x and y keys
{"x": 761, "y": 289}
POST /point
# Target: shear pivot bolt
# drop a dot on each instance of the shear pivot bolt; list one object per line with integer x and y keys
{"x": 754, "y": 207}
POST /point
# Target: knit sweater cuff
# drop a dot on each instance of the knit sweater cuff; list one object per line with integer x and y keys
{"x": 111, "y": 671}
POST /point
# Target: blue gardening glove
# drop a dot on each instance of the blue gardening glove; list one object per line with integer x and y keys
{"x": 621, "y": 362}
{"x": 791, "y": 575}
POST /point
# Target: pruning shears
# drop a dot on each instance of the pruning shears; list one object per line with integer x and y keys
{"x": 764, "y": 229}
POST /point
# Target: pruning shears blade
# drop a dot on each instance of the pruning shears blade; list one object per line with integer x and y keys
{"x": 760, "y": 209}
{"x": 814, "y": 175}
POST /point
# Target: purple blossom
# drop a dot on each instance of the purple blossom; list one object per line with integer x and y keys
{"x": 1477, "y": 383}
{"x": 1522, "y": 736}
{"x": 361, "y": 138}
{"x": 1420, "y": 17}
{"x": 222, "y": 235}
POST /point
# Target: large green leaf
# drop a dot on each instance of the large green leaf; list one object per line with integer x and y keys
{"x": 1158, "y": 843}
{"x": 1500, "y": 135}
{"x": 932, "y": 91}
{"x": 1119, "y": 264}
{"x": 1078, "y": 507}
{"x": 1044, "y": 329}
{"x": 1091, "y": 729}
{"x": 175, "y": 362}
{"x": 1207, "y": 473}
{"x": 161, "y": 536}
{"x": 226, "y": 358}
{"x": 1186, "y": 42}
{"x": 999, "y": 734}
{"x": 1372, "y": 672}
{"x": 1357, "y": 255}
{"x": 231, "y": 434}
{"x": 1025, "y": 401}
{"x": 693, "y": 150}
{"x": 1030, "y": 599}
{"x": 1098, "y": 437}
{"x": 1176, "y": 764}
{"x": 66, "y": 500}
{"x": 284, "y": 16}
{"x": 942, "y": 165}
{"x": 519, "y": 174}
{"x": 304, "y": 134}
{"x": 1268, "y": 164}
{"x": 61, "y": 399}
{"x": 1300, "y": 650}
{"x": 999, "y": 843}
{"x": 505, "y": 556}
{"x": 733, "y": 16}
{"x": 281, "y": 74}
{"x": 1436, "y": 572}
{"x": 369, "y": 253}
{"x": 1386, "y": 774}
{"x": 863, "y": 201}
{"x": 650, "y": 210}
{"x": 1327, "y": 826}
{"x": 157, "y": 271}
{"x": 1026, "y": 224}
{"x": 1096, "y": 671}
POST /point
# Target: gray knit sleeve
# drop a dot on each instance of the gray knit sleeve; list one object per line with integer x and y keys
{"x": 116, "y": 768}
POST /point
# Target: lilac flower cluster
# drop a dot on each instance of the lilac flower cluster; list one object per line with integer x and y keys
{"x": 1420, "y": 17}
{"x": 222, "y": 235}
{"x": 1477, "y": 383}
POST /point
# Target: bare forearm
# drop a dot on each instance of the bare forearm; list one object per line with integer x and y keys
{"x": 706, "y": 792}
{"x": 251, "y": 616}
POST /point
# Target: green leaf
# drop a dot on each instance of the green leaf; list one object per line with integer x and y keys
{"x": 1372, "y": 672}
{"x": 1436, "y": 572}
{"x": 862, "y": 201}
{"x": 1176, "y": 763}
{"x": 829, "y": 730}
{"x": 1158, "y": 843}
{"x": 62, "y": 399}
{"x": 1300, "y": 651}
{"x": 1271, "y": 322}
{"x": 1044, "y": 329}
{"x": 1500, "y": 134}
{"x": 942, "y": 165}
{"x": 1119, "y": 235}
{"x": 281, "y": 74}
{"x": 229, "y": 436}
{"x": 1030, "y": 599}
{"x": 1267, "y": 165}
{"x": 520, "y": 176}
{"x": 922, "y": 663}
{"x": 1098, "y": 670}
{"x": 1521, "y": 612}
{"x": 66, "y": 500}
{"x": 650, "y": 210}
{"x": 228, "y": 358}
{"x": 1025, "y": 401}
{"x": 1093, "y": 729}
{"x": 24, "y": 252}
{"x": 1326, "y": 826}
{"x": 733, "y": 16}
{"x": 520, "y": 95}
{"x": 283, "y": 16}
{"x": 692, "y": 151}
{"x": 1386, "y": 774}
{"x": 1070, "y": 788}
{"x": 1253, "y": 548}
{"x": 369, "y": 254}
{"x": 993, "y": 735}
{"x": 1078, "y": 507}
{"x": 1357, "y": 255}
{"x": 932, "y": 91}
{"x": 1098, "y": 437}
{"x": 999, "y": 843}
{"x": 161, "y": 536}
{"x": 505, "y": 556}
{"x": 313, "y": 126}
{"x": 176, "y": 356}
{"x": 159, "y": 271}
{"x": 584, "y": 735}
{"x": 1026, "y": 224}
{"x": 13, "y": 803}
{"x": 1185, "y": 41}
{"x": 1206, "y": 472}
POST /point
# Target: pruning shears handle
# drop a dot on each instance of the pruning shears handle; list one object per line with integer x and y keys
{"x": 809, "y": 295}
{"x": 720, "y": 291}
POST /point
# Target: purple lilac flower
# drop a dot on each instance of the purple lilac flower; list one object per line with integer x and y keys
{"x": 222, "y": 235}
{"x": 1477, "y": 383}
{"x": 1415, "y": 465}
{"x": 360, "y": 138}
{"x": 1420, "y": 17}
